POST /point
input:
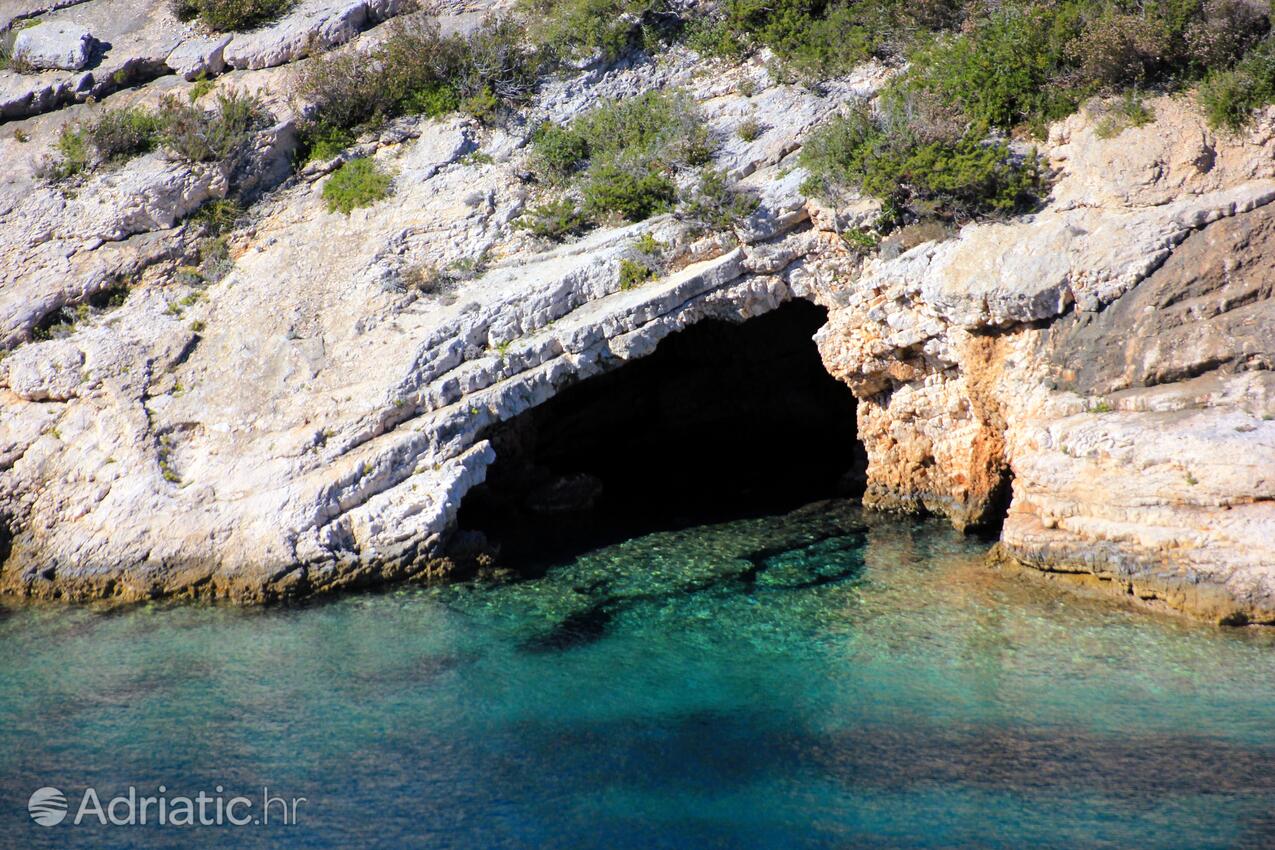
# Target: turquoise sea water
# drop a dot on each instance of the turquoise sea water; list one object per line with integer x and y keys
{"x": 821, "y": 679}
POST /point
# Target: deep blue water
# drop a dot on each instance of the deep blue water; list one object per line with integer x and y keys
{"x": 823, "y": 679}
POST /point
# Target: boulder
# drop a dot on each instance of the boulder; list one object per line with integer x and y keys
{"x": 57, "y": 45}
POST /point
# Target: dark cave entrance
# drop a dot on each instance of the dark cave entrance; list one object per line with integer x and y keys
{"x": 721, "y": 421}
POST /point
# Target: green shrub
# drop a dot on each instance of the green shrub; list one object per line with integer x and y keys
{"x": 963, "y": 178}
{"x": 201, "y": 136}
{"x": 815, "y": 39}
{"x": 652, "y": 126}
{"x": 861, "y": 240}
{"x": 228, "y": 15}
{"x": 73, "y": 155}
{"x": 484, "y": 106}
{"x": 202, "y": 86}
{"x": 580, "y": 29}
{"x": 214, "y": 259}
{"x": 1229, "y": 97}
{"x": 999, "y": 73}
{"x": 1033, "y": 61}
{"x": 322, "y": 142}
{"x": 432, "y": 100}
{"x": 631, "y": 194}
{"x": 357, "y": 183}
{"x": 649, "y": 245}
{"x": 633, "y": 274}
{"x": 716, "y": 204}
{"x": 621, "y": 153}
{"x": 554, "y": 220}
{"x": 558, "y": 152}
{"x": 119, "y": 134}
{"x": 218, "y": 216}
{"x": 715, "y": 37}
{"x": 1128, "y": 111}
{"x": 418, "y": 71}
{"x": 749, "y": 130}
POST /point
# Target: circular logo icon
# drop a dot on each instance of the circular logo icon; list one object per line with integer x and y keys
{"x": 47, "y": 806}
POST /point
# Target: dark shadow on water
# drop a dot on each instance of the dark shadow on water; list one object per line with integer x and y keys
{"x": 722, "y": 421}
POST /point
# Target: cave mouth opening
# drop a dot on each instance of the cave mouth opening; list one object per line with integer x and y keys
{"x": 722, "y": 421}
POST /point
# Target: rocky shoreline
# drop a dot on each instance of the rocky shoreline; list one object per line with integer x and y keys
{"x": 1095, "y": 378}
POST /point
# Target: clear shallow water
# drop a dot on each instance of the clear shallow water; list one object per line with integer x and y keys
{"x": 823, "y": 679}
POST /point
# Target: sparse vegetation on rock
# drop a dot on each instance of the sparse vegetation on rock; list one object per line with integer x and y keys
{"x": 556, "y": 219}
{"x": 954, "y": 177}
{"x": 621, "y": 154}
{"x": 184, "y": 129}
{"x": 580, "y": 30}
{"x": 416, "y": 71}
{"x": 716, "y": 203}
{"x": 230, "y": 15}
{"x": 633, "y": 273}
{"x": 357, "y": 183}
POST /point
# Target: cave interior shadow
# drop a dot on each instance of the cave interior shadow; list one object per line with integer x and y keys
{"x": 722, "y": 421}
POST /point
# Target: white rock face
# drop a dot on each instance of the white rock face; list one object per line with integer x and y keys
{"x": 322, "y": 424}
{"x": 314, "y": 23}
{"x": 53, "y": 46}
{"x": 199, "y": 56}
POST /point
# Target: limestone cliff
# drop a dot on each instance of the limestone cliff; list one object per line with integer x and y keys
{"x": 305, "y": 419}
{"x": 1108, "y": 358}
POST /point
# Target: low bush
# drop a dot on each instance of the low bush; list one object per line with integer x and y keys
{"x": 1006, "y": 63}
{"x": 916, "y": 178}
{"x": 575, "y": 30}
{"x": 632, "y": 194}
{"x": 322, "y": 142}
{"x": 357, "y": 183}
{"x": 202, "y": 86}
{"x": 652, "y": 127}
{"x": 207, "y": 136}
{"x": 119, "y": 134}
{"x": 73, "y": 156}
{"x": 558, "y": 152}
{"x": 622, "y": 152}
{"x": 218, "y": 216}
{"x": 633, "y": 274}
{"x": 815, "y": 39}
{"x": 554, "y": 220}
{"x": 229, "y": 15}
{"x": 418, "y": 71}
{"x": 1127, "y": 111}
{"x": 717, "y": 204}
{"x": 649, "y": 245}
{"x": 1229, "y": 97}
{"x": 115, "y": 135}
{"x": 1033, "y": 62}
